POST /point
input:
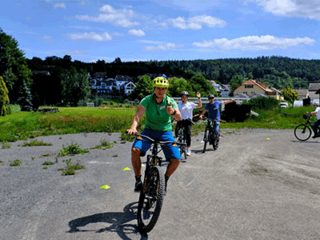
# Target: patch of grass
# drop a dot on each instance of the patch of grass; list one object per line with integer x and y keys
{"x": 71, "y": 169}
{"x": 48, "y": 163}
{"x": 115, "y": 142}
{"x": 45, "y": 168}
{"x": 35, "y": 143}
{"x": 15, "y": 163}
{"x": 45, "y": 155}
{"x": 115, "y": 155}
{"x": 33, "y": 158}
{"x": 6, "y": 145}
{"x": 104, "y": 145}
{"x": 72, "y": 150}
{"x": 61, "y": 169}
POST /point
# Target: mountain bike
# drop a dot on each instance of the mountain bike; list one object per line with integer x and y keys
{"x": 210, "y": 135}
{"x": 303, "y": 131}
{"x": 151, "y": 195}
{"x": 181, "y": 138}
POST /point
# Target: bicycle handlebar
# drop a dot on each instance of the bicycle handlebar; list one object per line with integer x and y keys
{"x": 156, "y": 141}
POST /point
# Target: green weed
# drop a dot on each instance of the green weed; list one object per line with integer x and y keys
{"x": 35, "y": 143}
{"x": 72, "y": 150}
{"x": 115, "y": 155}
{"x": 70, "y": 170}
{"x": 45, "y": 155}
{"x": 16, "y": 162}
{"x": 45, "y": 168}
{"x": 6, "y": 145}
{"x": 48, "y": 163}
{"x": 104, "y": 145}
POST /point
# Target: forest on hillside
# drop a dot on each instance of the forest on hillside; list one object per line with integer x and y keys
{"x": 278, "y": 72}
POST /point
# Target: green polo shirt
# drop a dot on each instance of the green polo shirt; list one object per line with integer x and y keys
{"x": 157, "y": 117}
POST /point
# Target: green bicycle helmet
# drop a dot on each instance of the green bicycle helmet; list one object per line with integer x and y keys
{"x": 160, "y": 82}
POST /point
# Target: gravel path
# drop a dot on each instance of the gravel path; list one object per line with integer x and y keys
{"x": 250, "y": 188}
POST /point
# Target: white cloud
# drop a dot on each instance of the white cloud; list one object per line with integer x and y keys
{"x": 90, "y": 36}
{"x": 45, "y": 37}
{"x": 118, "y": 34}
{"x": 292, "y": 8}
{"x": 118, "y": 17}
{"x": 197, "y": 22}
{"x": 255, "y": 43}
{"x": 163, "y": 47}
{"x": 138, "y": 33}
{"x": 59, "y": 5}
{"x": 150, "y": 42}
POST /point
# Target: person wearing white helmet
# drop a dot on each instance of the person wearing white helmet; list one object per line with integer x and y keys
{"x": 158, "y": 108}
{"x": 186, "y": 109}
{"x": 317, "y": 122}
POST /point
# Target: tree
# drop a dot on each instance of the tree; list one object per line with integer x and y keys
{"x": 200, "y": 84}
{"x": 177, "y": 85}
{"x": 25, "y": 98}
{"x": 75, "y": 86}
{"x": 4, "y": 98}
{"x": 235, "y": 82}
{"x": 143, "y": 87}
{"x": 289, "y": 94}
{"x": 13, "y": 66}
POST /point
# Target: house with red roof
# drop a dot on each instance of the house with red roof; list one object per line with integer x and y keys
{"x": 253, "y": 88}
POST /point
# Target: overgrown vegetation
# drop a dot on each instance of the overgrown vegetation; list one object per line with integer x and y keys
{"x": 71, "y": 169}
{"x": 6, "y": 145}
{"x": 35, "y": 142}
{"x": 48, "y": 163}
{"x": 104, "y": 145}
{"x": 15, "y": 163}
{"x": 264, "y": 103}
{"x": 72, "y": 149}
{"x": 4, "y": 97}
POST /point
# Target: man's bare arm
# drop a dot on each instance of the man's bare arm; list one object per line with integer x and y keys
{"x": 136, "y": 119}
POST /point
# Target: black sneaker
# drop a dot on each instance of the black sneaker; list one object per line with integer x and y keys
{"x": 138, "y": 186}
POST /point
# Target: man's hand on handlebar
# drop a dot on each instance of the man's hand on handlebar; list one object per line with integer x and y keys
{"x": 132, "y": 131}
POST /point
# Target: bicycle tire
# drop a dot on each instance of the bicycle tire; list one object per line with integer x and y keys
{"x": 205, "y": 140}
{"x": 151, "y": 197}
{"x": 302, "y": 132}
{"x": 185, "y": 149}
{"x": 214, "y": 143}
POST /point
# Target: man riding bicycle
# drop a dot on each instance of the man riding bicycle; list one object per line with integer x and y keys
{"x": 317, "y": 122}
{"x": 186, "y": 109}
{"x": 158, "y": 108}
{"x": 214, "y": 113}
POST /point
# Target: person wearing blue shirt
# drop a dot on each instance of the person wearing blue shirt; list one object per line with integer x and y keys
{"x": 214, "y": 113}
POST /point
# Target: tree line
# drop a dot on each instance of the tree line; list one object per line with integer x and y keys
{"x": 68, "y": 79}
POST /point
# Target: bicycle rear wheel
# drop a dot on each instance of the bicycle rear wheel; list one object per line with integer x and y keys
{"x": 302, "y": 132}
{"x": 205, "y": 139}
{"x": 150, "y": 200}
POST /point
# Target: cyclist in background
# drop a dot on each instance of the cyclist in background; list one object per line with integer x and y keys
{"x": 214, "y": 113}
{"x": 186, "y": 109}
{"x": 317, "y": 122}
{"x": 158, "y": 108}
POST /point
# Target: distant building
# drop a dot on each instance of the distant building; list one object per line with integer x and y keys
{"x": 313, "y": 87}
{"x": 302, "y": 93}
{"x": 252, "y": 88}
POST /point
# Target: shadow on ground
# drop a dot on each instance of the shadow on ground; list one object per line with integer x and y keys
{"x": 118, "y": 221}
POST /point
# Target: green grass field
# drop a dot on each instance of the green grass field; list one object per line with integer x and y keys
{"x": 25, "y": 125}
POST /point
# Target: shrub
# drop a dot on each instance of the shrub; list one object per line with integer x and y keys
{"x": 263, "y": 103}
{"x": 4, "y": 97}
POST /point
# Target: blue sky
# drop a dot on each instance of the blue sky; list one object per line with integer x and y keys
{"x": 142, "y": 30}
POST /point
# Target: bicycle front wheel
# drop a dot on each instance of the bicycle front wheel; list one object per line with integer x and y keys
{"x": 302, "y": 132}
{"x": 205, "y": 139}
{"x": 151, "y": 199}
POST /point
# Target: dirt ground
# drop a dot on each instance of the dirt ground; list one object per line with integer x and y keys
{"x": 259, "y": 184}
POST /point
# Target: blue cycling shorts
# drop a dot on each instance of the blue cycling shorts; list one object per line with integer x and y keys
{"x": 170, "y": 152}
